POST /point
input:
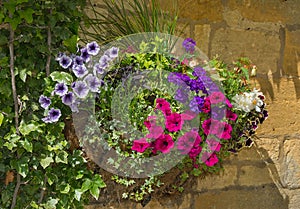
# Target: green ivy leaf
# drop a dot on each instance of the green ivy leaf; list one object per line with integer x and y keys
{"x": 27, "y": 15}
{"x": 26, "y": 129}
{"x": 51, "y": 204}
{"x": 66, "y": 189}
{"x": 62, "y": 157}
{"x": 62, "y": 77}
{"x": 27, "y": 145}
{"x": 23, "y": 75}
{"x": 1, "y": 118}
{"x": 71, "y": 43}
{"x": 21, "y": 166}
{"x": 46, "y": 162}
{"x": 98, "y": 181}
{"x": 86, "y": 185}
{"x": 95, "y": 192}
{"x": 78, "y": 194}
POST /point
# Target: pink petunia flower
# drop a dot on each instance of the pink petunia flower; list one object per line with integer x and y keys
{"x": 174, "y": 122}
{"x": 231, "y": 115}
{"x": 188, "y": 115}
{"x": 195, "y": 151}
{"x": 227, "y": 129}
{"x": 151, "y": 121}
{"x": 164, "y": 143}
{"x": 216, "y": 97}
{"x": 210, "y": 159}
{"x": 188, "y": 141}
{"x": 164, "y": 106}
{"x": 213, "y": 145}
{"x": 228, "y": 103}
{"x": 140, "y": 145}
{"x": 155, "y": 132}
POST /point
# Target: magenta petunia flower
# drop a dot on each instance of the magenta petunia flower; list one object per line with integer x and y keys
{"x": 231, "y": 115}
{"x": 188, "y": 115}
{"x": 155, "y": 132}
{"x": 140, "y": 145}
{"x": 216, "y": 97}
{"x": 151, "y": 121}
{"x": 213, "y": 145}
{"x": 210, "y": 159}
{"x": 188, "y": 141}
{"x": 212, "y": 126}
{"x": 164, "y": 143}
{"x": 226, "y": 131}
{"x": 206, "y": 106}
{"x": 164, "y": 106}
{"x": 195, "y": 151}
{"x": 228, "y": 103}
{"x": 174, "y": 122}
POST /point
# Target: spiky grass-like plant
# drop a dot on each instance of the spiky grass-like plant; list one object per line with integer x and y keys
{"x": 125, "y": 17}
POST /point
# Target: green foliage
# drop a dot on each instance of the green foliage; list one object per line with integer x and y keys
{"x": 37, "y": 167}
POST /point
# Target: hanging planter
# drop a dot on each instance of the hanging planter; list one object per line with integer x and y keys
{"x": 151, "y": 112}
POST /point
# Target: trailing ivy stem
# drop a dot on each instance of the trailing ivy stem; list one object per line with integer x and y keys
{"x": 14, "y": 90}
{"x": 43, "y": 190}
{"x": 49, "y": 40}
{"x": 13, "y": 81}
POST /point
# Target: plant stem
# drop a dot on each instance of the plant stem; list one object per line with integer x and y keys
{"x": 14, "y": 201}
{"x": 15, "y": 97}
{"x": 13, "y": 81}
{"x": 43, "y": 190}
{"x": 49, "y": 39}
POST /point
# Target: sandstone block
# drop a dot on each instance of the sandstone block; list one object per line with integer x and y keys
{"x": 202, "y": 34}
{"x": 226, "y": 178}
{"x": 254, "y": 176}
{"x": 261, "y": 48}
{"x": 290, "y": 164}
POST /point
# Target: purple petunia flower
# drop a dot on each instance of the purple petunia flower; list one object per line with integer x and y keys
{"x": 78, "y": 61}
{"x": 98, "y": 69}
{"x": 68, "y": 98}
{"x": 113, "y": 52}
{"x": 93, "y": 82}
{"x": 199, "y": 71}
{"x": 61, "y": 89}
{"x": 103, "y": 61}
{"x": 84, "y": 54}
{"x": 44, "y": 101}
{"x": 65, "y": 61}
{"x": 189, "y": 45}
{"x": 196, "y": 104}
{"x": 181, "y": 95}
{"x": 80, "y": 71}
{"x": 93, "y": 48}
{"x": 80, "y": 89}
{"x": 53, "y": 116}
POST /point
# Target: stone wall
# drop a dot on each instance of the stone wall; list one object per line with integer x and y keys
{"x": 268, "y": 32}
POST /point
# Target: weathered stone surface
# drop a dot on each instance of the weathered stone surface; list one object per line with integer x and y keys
{"x": 294, "y": 198}
{"x": 183, "y": 30}
{"x": 269, "y": 147}
{"x": 232, "y": 44}
{"x": 201, "y": 10}
{"x": 254, "y": 176}
{"x": 267, "y": 10}
{"x": 292, "y": 53}
{"x": 224, "y": 179}
{"x": 202, "y": 34}
{"x": 290, "y": 164}
{"x": 255, "y": 198}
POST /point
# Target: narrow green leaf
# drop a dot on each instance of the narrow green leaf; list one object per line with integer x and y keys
{"x": 1, "y": 118}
